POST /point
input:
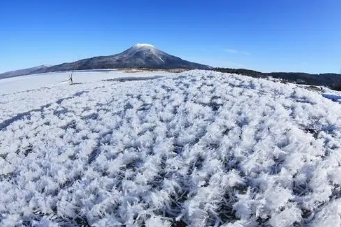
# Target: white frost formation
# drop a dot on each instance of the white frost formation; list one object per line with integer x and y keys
{"x": 201, "y": 148}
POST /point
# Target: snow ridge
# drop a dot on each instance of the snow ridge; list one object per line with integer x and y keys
{"x": 198, "y": 149}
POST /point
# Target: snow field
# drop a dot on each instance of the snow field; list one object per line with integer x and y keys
{"x": 199, "y": 149}
{"x": 58, "y": 79}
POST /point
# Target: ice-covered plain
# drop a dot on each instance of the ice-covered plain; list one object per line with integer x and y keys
{"x": 198, "y": 148}
{"x": 55, "y": 79}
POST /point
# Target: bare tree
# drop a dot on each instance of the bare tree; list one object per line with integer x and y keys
{"x": 70, "y": 77}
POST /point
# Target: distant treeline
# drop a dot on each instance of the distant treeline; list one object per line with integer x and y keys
{"x": 331, "y": 80}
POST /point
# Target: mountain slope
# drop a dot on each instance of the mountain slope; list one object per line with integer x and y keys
{"x": 21, "y": 72}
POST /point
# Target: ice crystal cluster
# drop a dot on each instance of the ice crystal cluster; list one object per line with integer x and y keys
{"x": 194, "y": 149}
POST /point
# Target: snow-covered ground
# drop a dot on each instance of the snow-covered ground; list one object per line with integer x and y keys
{"x": 197, "y": 148}
{"x": 48, "y": 80}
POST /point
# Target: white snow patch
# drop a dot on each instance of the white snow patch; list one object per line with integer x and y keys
{"x": 143, "y": 45}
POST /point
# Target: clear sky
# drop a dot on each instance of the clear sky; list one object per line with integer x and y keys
{"x": 265, "y": 35}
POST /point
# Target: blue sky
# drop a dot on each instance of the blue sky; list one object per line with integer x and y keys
{"x": 278, "y": 35}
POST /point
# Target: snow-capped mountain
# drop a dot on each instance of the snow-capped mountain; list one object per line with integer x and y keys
{"x": 137, "y": 56}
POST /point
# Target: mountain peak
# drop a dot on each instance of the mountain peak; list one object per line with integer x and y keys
{"x": 143, "y": 45}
